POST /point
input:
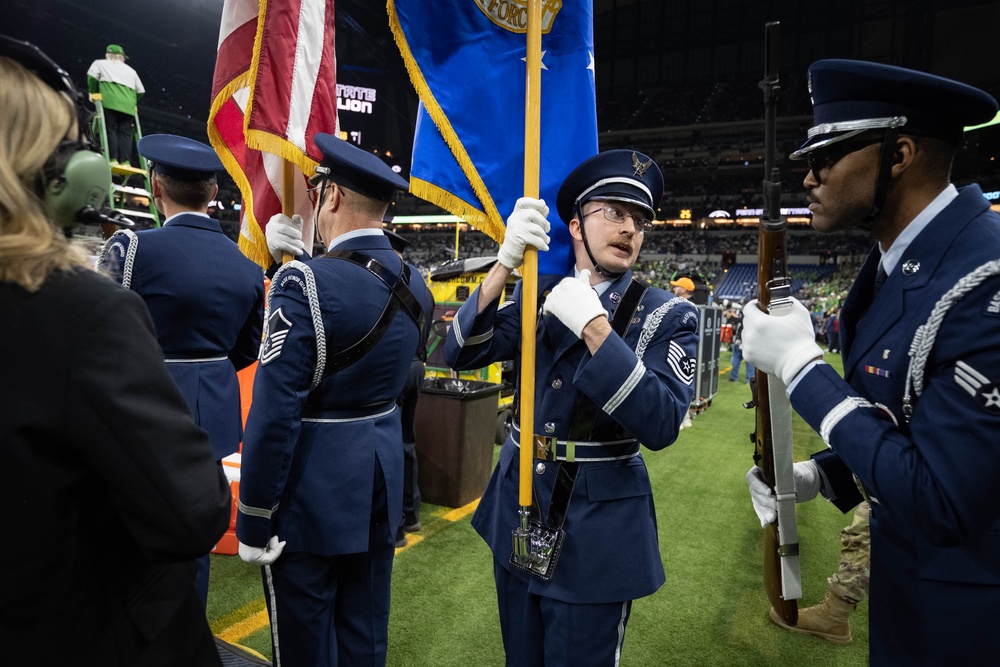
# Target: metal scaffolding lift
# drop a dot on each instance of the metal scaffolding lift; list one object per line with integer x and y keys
{"x": 135, "y": 202}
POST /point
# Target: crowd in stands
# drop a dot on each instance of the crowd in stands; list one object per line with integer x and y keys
{"x": 696, "y": 163}
{"x": 668, "y": 252}
{"x": 692, "y": 103}
{"x": 677, "y": 242}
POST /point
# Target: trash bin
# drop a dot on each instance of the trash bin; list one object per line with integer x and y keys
{"x": 455, "y": 427}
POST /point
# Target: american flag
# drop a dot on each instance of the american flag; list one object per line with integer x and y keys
{"x": 274, "y": 89}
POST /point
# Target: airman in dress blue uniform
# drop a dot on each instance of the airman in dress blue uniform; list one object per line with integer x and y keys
{"x": 322, "y": 473}
{"x": 206, "y": 298}
{"x": 615, "y": 367}
{"x": 916, "y": 417}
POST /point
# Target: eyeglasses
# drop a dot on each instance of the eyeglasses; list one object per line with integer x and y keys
{"x": 617, "y": 215}
{"x": 825, "y": 158}
{"x": 313, "y": 192}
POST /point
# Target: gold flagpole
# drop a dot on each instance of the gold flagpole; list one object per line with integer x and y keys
{"x": 529, "y": 270}
{"x": 288, "y": 198}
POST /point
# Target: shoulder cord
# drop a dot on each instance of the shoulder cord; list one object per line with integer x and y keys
{"x": 652, "y": 323}
{"x": 317, "y": 318}
{"x": 924, "y": 338}
{"x": 128, "y": 253}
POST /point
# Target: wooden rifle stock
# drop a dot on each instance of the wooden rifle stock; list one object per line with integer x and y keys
{"x": 773, "y": 283}
{"x": 772, "y": 250}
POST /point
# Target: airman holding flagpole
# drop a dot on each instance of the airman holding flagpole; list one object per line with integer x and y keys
{"x": 615, "y": 366}
{"x": 322, "y": 473}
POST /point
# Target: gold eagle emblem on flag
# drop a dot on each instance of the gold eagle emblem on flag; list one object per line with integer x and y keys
{"x": 512, "y": 15}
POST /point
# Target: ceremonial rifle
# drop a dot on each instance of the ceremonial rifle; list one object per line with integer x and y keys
{"x": 772, "y": 437}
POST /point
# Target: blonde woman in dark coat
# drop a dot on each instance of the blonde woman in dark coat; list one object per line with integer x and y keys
{"x": 107, "y": 484}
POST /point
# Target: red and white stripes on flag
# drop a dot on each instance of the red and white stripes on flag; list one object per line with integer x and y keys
{"x": 274, "y": 88}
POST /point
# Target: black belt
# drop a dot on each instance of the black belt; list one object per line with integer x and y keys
{"x": 344, "y": 414}
{"x": 585, "y": 411}
{"x": 537, "y": 549}
{"x": 551, "y": 449}
{"x": 562, "y": 491}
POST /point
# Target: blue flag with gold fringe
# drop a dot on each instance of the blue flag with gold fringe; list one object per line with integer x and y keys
{"x": 466, "y": 59}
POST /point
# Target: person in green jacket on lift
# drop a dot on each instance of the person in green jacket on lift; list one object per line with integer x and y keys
{"x": 120, "y": 89}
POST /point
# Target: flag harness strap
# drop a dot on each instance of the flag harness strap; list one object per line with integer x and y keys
{"x": 400, "y": 295}
{"x": 546, "y": 538}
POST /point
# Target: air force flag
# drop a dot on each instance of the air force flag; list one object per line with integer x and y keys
{"x": 466, "y": 60}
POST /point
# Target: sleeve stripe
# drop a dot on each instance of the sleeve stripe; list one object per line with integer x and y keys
{"x": 623, "y": 391}
{"x": 456, "y": 328}
{"x": 472, "y": 340}
{"x": 968, "y": 378}
{"x": 256, "y": 511}
{"x": 481, "y": 338}
{"x": 841, "y": 410}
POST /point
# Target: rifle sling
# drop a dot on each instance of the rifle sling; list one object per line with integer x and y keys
{"x": 400, "y": 294}
{"x": 784, "y": 488}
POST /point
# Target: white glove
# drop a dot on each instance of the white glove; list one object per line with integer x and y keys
{"x": 527, "y": 225}
{"x": 574, "y": 303}
{"x": 779, "y": 345}
{"x": 259, "y": 556}
{"x": 283, "y": 235}
{"x": 805, "y": 477}
{"x": 807, "y": 480}
{"x": 762, "y": 497}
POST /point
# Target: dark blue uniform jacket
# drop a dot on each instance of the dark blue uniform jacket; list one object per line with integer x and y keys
{"x": 207, "y": 302}
{"x": 312, "y": 444}
{"x": 642, "y": 386}
{"x": 935, "y": 480}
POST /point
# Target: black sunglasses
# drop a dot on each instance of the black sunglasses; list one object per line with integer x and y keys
{"x": 826, "y": 157}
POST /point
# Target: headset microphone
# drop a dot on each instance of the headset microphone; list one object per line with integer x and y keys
{"x": 89, "y": 215}
{"x": 76, "y": 178}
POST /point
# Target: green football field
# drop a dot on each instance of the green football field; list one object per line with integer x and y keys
{"x": 712, "y": 610}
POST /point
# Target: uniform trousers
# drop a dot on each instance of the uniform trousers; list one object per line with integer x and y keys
{"x": 201, "y": 578}
{"x": 539, "y": 631}
{"x": 327, "y": 611}
{"x": 408, "y": 414}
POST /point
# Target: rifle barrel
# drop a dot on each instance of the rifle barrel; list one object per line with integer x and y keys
{"x": 773, "y": 288}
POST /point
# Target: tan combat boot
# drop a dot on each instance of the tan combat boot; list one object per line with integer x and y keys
{"x": 830, "y": 619}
